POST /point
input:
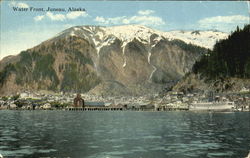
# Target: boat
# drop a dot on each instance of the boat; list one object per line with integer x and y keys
{"x": 248, "y": 156}
{"x": 212, "y": 106}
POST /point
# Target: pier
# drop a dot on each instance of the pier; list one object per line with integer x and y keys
{"x": 96, "y": 109}
{"x": 172, "y": 109}
{"x": 122, "y": 109}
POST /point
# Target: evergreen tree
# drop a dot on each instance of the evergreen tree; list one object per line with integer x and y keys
{"x": 229, "y": 58}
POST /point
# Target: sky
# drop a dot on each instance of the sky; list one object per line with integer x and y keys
{"x": 21, "y": 30}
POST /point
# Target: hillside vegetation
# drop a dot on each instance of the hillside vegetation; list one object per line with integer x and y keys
{"x": 226, "y": 68}
{"x": 132, "y": 60}
{"x": 229, "y": 58}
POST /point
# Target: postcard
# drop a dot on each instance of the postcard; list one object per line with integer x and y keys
{"x": 132, "y": 79}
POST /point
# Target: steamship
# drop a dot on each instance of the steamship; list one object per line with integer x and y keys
{"x": 212, "y": 106}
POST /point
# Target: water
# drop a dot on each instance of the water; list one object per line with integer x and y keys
{"x": 124, "y": 134}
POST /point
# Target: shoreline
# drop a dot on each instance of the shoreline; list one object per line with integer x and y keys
{"x": 108, "y": 109}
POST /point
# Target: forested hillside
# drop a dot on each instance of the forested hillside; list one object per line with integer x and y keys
{"x": 229, "y": 57}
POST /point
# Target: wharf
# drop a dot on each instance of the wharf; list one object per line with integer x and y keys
{"x": 96, "y": 109}
{"x": 171, "y": 109}
{"x": 123, "y": 109}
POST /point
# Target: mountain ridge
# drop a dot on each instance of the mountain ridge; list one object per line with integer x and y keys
{"x": 82, "y": 57}
{"x": 226, "y": 68}
{"x": 222, "y": 35}
{"x": 128, "y": 32}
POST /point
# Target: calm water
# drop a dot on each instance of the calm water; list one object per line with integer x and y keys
{"x": 124, "y": 134}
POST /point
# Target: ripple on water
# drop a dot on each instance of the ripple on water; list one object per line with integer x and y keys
{"x": 117, "y": 146}
{"x": 111, "y": 154}
{"x": 151, "y": 137}
{"x": 220, "y": 154}
{"x": 24, "y": 151}
{"x": 46, "y": 150}
{"x": 128, "y": 134}
{"x": 8, "y": 138}
{"x": 17, "y": 153}
{"x": 104, "y": 156}
{"x": 93, "y": 146}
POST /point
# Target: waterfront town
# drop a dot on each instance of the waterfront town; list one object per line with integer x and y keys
{"x": 169, "y": 101}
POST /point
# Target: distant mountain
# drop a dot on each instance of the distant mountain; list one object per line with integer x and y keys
{"x": 225, "y": 68}
{"x": 127, "y": 60}
{"x": 205, "y": 39}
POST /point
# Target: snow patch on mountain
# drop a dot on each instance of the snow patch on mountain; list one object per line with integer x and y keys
{"x": 125, "y": 63}
{"x": 104, "y": 36}
{"x": 123, "y": 53}
{"x": 205, "y": 39}
{"x": 151, "y": 75}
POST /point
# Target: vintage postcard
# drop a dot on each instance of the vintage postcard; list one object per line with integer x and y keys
{"x": 124, "y": 79}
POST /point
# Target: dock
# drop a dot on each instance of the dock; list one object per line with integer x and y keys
{"x": 172, "y": 109}
{"x": 95, "y": 109}
{"x": 122, "y": 109}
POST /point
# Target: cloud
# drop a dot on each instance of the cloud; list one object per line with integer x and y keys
{"x": 225, "y": 23}
{"x": 100, "y": 19}
{"x": 18, "y": 4}
{"x": 147, "y": 20}
{"x": 22, "y": 5}
{"x": 142, "y": 18}
{"x": 55, "y": 17}
{"x": 106, "y": 21}
{"x": 74, "y": 15}
{"x": 224, "y": 19}
{"x": 61, "y": 17}
{"x": 145, "y": 12}
{"x": 39, "y": 17}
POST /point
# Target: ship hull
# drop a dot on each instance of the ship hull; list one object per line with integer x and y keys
{"x": 212, "y": 106}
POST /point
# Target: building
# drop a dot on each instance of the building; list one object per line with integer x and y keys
{"x": 78, "y": 101}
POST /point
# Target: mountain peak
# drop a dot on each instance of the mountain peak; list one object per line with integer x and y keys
{"x": 83, "y": 57}
{"x": 127, "y": 33}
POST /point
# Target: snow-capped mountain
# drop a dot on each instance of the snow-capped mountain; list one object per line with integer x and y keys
{"x": 129, "y": 59}
{"x": 204, "y": 39}
{"x": 126, "y": 33}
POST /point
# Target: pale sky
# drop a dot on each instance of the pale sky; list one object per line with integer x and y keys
{"x": 21, "y": 30}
